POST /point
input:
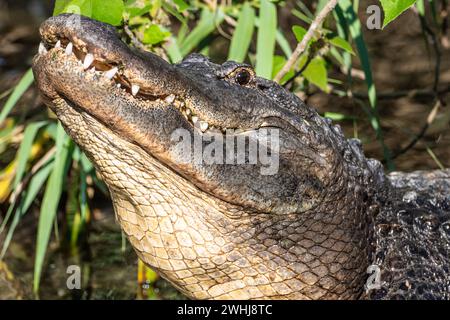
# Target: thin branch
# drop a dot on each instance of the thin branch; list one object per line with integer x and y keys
{"x": 232, "y": 22}
{"x": 430, "y": 119}
{"x": 299, "y": 72}
{"x": 318, "y": 49}
{"x": 301, "y": 47}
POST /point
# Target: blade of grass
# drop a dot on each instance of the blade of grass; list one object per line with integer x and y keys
{"x": 50, "y": 202}
{"x": 6, "y": 93}
{"x": 30, "y": 194}
{"x": 18, "y": 91}
{"x": 25, "y": 149}
{"x": 207, "y": 24}
{"x": 18, "y": 192}
{"x": 173, "y": 50}
{"x": 242, "y": 35}
{"x": 182, "y": 32}
{"x": 320, "y": 5}
{"x": 283, "y": 43}
{"x": 281, "y": 40}
{"x": 86, "y": 164}
{"x": 436, "y": 160}
{"x": 84, "y": 206}
{"x": 304, "y": 9}
{"x": 342, "y": 28}
{"x": 345, "y": 8}
{"x": 265, "y": 45}
{"x": 302, "y": 16}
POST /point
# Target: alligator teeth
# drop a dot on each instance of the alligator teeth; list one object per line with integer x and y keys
{"x": 135, "y": 89}
{"x": 92, "y": 70}
{"x": 111, "y": 73}
{"x": 194, "y": 119}
{"x": 69, "y": 48}
{"x": 214, "y": 130}
{"x": 42, "y": 48}
{"x": 203, "y": 126}
{"x": 58, "y": 44}
{"x": 88, "y": 60}
{"x": 170, "y": 98}
{"x": 188, "y": 112}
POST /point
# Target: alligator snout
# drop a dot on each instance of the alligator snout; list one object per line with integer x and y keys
{"x": 98, "y": 44}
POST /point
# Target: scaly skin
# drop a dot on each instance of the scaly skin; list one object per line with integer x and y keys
{"x": 219, "y": 231}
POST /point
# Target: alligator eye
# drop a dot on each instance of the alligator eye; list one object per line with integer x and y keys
{"x": 243, "y": 77}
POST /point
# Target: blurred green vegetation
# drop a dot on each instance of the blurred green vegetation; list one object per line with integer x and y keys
{"x": 48, "y": 166}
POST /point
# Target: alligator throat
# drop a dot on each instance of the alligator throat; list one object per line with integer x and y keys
{"x": 232, "y": 230}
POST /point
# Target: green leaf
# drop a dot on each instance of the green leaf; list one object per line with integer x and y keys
{"x": 59, "y": 6}
{"x": 342, "y": 43}
{"x": 316, "y": 73}
{"x": 173, "y": 11}
{"x": 136, "y": 9}
{"x": 207, "y": 24}
{"x": 243, "y": 34}
{"x": 156, "y": 5}
{"x": 50, "y": 202}
{"x": 83, "y": 7}
{"x": 337, "y": 116}
{"x": 393, "y": 8}
{"x": 154, "y": 35}
{"x": 265, "y": 45}
{"x": 18, "y": 91}
{"x": 182, "y": 6}
{"x": 110, "y": 11}
{"x": 299, "y": 32}
{"x": 421, "y": 7}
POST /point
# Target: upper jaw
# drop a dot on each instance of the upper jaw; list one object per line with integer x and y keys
{"x": 142, "y": 74}
{"x": 99, "y": 41}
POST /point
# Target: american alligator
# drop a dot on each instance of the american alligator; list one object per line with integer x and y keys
{"x": 327, "y": 224}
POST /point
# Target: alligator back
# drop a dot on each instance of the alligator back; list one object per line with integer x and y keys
{"x": 412, "y": 238}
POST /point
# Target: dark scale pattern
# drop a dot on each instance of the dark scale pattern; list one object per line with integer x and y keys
{"x": 219, "y": 231}
{"x": 413, "y": 238}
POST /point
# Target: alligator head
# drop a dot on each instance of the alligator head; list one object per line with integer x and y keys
{"x": 216, "y": 221}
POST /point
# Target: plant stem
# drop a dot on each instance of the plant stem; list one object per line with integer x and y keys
{"x": 301, "y": 47}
